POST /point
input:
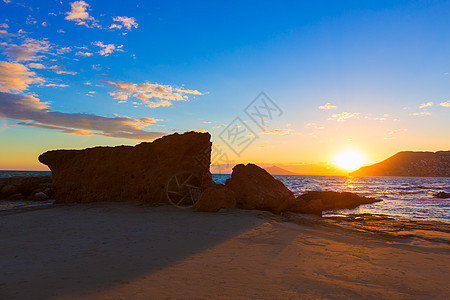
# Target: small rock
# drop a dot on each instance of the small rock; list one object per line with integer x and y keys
{"x": 215, "y": 198}
{"x": 442, "y": 195}
{"x": 40, "y": 196}
{"x": 334, "y": 200}
{"x": 9, "y": 189}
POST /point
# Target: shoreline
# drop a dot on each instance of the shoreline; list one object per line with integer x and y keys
{"x": 131, "y": 250}
{"x": 331, "y": 215}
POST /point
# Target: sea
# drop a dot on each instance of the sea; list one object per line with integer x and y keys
{"x": 403, "y": 197}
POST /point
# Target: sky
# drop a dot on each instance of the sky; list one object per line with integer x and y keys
{"x": 292, "y": 83}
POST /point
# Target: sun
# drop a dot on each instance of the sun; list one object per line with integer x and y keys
{"x": 349, "y": 160}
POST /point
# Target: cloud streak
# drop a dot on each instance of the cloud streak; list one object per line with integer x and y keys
{"x": 30, "y": 111}
{"x": 428, "y": 104}
{"x": 279, "y": 131}
{"x": 421, "y": 114}
{"x": 162, "y": 95}
{"x": 445, "y": 104}
{"x": 328, "y": 106}
{"x": 342, "y": 116}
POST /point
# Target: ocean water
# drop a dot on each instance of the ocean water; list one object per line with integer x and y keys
{"x": 403, "y": 197}
{"x": 23, "y": 173}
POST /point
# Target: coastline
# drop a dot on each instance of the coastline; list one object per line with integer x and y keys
{"x": 130, "y": 250}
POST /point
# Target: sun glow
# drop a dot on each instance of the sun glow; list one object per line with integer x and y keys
{"x": 349, "y": 160}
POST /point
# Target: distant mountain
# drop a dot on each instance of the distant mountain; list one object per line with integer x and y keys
{"x": 409, "y": 163}
{"x": 274, "y": 170}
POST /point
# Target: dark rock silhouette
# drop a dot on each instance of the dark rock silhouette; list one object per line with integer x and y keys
{"x": 408, "y": 163}
{"x": 127, "y": 173}
{"x": 215, "y": 198}
{"x": 25, "y": 187}
{"x": 319, "y": 201}
{"x": 442, "y": 195}
{"x": 255, "y": 188}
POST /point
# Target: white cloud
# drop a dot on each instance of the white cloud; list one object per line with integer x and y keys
{"x": 63, "y": 50}
{"x": 60, "y": 70}
{"x": 56, "y": 85}
{"x": 314, "y": 125}
{"x": 126, "y": 22}
{"x": 4, "y": 25}
{"x": 445, "y": 104}
{"x": 146, "y": 91}
{"x": 15, "y": 77}
{"x": 428, "y": 104}
{"x": 30, "y": 111}
{"x": 35, "y": 66}
{"x": 394, "y": 132}
{"x": 328, "y": 106}
{"x": 79, "y": 14}
{"x": 279, "y": 131}
{"x": 342, "y": 116}
{"x": 422, "y": 113}
{"x": 85, "y": 54}
{"x": 30, "y": 21}
{"x": 107, "y": 49}
{"x": 397, "y": 131}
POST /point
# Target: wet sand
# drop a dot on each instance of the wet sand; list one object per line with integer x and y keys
{"x": 132, "y": 251}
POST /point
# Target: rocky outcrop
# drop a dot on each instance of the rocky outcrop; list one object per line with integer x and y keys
{"x": 408, "y": 163}
{"x": 215, "y": 198}
{"x": 26, "y": 188}
{"x": 255, "y": 188}
{"x": 319, "y": 201}
{"x": 126, "y": 173}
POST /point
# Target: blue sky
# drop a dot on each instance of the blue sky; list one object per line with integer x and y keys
{"x": 141, "y": 69}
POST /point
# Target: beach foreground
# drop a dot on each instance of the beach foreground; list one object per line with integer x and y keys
{"x": 132, "y": 251}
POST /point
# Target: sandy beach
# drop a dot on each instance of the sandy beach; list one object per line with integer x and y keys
{"x": 133, "y": 251}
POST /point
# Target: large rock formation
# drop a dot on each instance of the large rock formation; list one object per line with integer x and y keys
{"x": 255, "y": 188}
{"x": 408, "y": 163}
{"x": 26, "y": 188}
{"x": 126, "y": 173}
